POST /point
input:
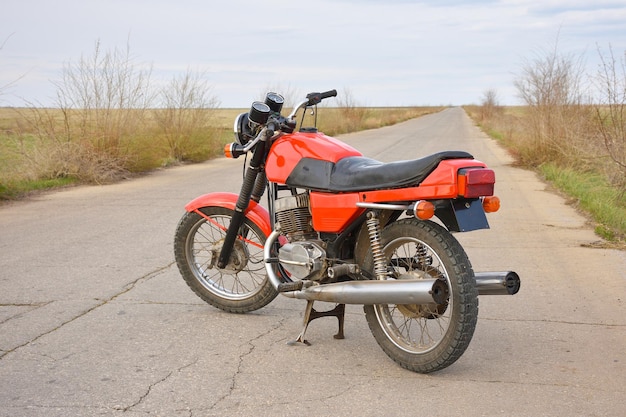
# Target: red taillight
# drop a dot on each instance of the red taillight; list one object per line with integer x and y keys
{"x": 476, "y": 182}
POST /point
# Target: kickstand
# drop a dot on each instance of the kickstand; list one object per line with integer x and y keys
{"x": 311, "y": 314}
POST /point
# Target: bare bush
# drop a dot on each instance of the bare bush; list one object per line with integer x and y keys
{"x": 551, "y": 86}
{"x": 50, "y": 153}
{"x": 352, "y": 113}
{"x": 489, "y": 104}
{"x": 100, "y": 109}
{"x": 184, "y": 116}
{"x": 109, "y": 90}
{"x": 579, "y": 142}
{"x": 611, "y": 113}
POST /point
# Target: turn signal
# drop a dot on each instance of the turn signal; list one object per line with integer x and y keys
{"x": 491, "y": 204}
{"x": 233, "y": 150}
{"x": 424, "y": 210}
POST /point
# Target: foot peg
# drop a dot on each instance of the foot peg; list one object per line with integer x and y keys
{"x": 311, "y": 314}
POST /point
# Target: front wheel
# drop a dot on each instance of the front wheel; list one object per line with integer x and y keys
{"x": 430, "y": 337}
{"x": 240, "y": 287}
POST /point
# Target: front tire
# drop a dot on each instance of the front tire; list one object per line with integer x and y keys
{"x": 240, "y": 287}
{"x": 425, "y": 338}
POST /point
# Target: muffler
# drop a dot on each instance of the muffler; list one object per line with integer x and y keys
{"x": 427, "y": 291}
{"x": 409, "y": 291}
{"x": 497, "y": 283}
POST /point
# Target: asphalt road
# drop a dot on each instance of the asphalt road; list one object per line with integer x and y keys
{"x": 96, "y": 320}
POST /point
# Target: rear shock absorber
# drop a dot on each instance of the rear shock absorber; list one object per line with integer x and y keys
{"x": 423, "y": 259}
{"x": 373, "y": 227}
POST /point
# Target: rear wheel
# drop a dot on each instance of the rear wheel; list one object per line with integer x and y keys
{"x": 241, "y": 286}
{"x": 425, "y": 338}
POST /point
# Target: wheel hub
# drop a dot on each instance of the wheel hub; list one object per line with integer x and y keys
{"x": 238, "y": 257}
{"x": 417, "y": 311}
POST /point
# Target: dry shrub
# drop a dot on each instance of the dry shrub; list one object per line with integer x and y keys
{"x": 352, "y": 115}
{"x": 562, "y": 127}
{"x": 185, "y": 117}
{"x": 557, "y": 117}
{"x": 489, "y": 105}
{"x": 580, "y": 146}
{"x": 51, "y": 151}
{"x": 611, "y": 114}
{"x": 105, "y": 124}
{"x": 102, "y": 101}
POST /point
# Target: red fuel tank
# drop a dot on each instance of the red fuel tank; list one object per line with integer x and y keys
{"x": 288, "y": 150}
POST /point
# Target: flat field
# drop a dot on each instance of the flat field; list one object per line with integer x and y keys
{"x": 43, "y": 148}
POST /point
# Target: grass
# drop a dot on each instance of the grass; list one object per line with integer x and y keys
{"x": 579, "y": 168}
{"x": 44, "y": 148}
{"x": 15, "y": 189}
{"x": 593, "y": 194}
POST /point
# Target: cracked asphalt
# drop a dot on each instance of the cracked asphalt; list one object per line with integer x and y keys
{"x": 96, "y": 321}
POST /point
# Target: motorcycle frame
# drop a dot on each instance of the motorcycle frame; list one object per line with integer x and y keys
{"x": 338, "y": 216}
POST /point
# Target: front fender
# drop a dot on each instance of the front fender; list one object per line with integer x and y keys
{"x": 255, "y": 212}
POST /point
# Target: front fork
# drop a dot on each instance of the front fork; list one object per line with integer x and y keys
{"x": 253, "y": 186}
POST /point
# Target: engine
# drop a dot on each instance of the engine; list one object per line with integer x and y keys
{"x": 304, "y": 256}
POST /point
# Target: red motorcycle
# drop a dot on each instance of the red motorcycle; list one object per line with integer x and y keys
{"x": 346, "y": 229}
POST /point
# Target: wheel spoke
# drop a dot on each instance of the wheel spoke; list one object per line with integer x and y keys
{"x": 425, "y": 337}
{"x": 205, "y": 246}
{"x": 415, "y": 328}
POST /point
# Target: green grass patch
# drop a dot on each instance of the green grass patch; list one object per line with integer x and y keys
{"x": 496, "y": 135}
{"x": 16, "y": 189}
{"x": 593, "y": 193}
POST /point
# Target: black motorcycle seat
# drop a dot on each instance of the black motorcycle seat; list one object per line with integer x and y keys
{"x": 359, "y": 173}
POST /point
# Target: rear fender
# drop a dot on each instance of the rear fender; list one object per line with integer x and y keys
{"x": 255, "y": 212}
{"x": 462, "y": 215}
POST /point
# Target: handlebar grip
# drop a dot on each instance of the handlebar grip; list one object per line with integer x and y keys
{"x": 327, "y": 94}
{"x": 315, "y": 98}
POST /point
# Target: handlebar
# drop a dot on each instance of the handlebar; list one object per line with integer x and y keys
{"x": 270, "y": 124}
{"x": 311, "y": 100}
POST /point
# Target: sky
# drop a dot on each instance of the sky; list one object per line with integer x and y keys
{"x": 376, "y": 52}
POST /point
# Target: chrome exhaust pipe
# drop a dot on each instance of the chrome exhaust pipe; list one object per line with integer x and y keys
{"x": 411, "y": 291}
{"x": 497, "y": 283}
{"x": 427, "y": 291}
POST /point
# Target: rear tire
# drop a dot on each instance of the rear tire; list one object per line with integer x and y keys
{"x": 243, "y": 285}
{"x": 425, "y": 338}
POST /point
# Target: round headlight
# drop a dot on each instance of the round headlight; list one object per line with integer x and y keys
{"x": 241, "y": 129}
